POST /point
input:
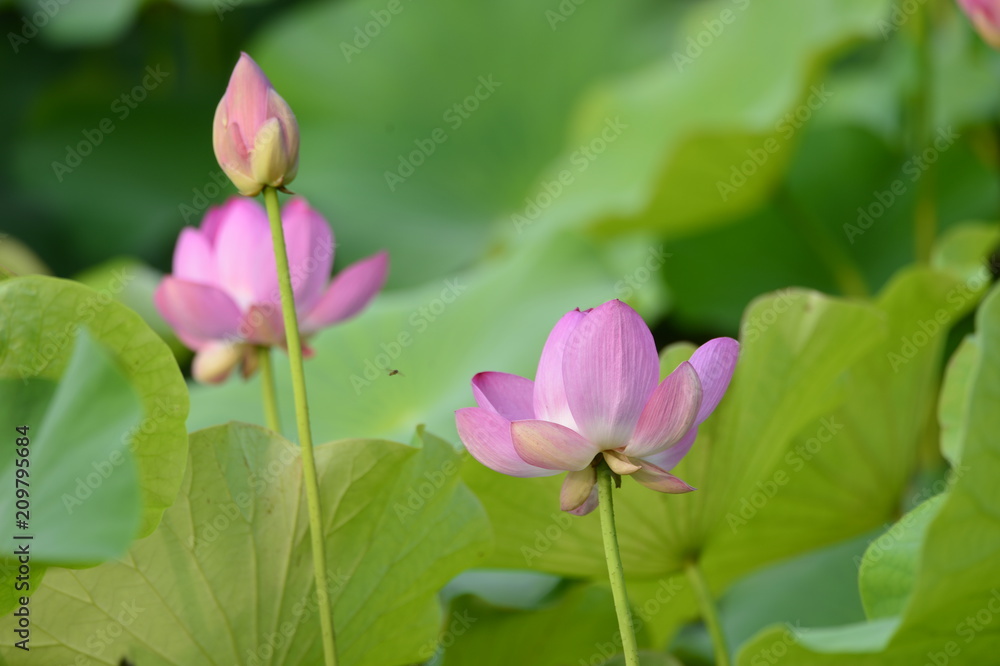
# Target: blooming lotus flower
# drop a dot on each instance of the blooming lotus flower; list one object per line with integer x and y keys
{"x": 255, "y": 135}
{"x": 985, "y": 15}
{"x": 595, "y": 397}
{"x": 223, "y": 298}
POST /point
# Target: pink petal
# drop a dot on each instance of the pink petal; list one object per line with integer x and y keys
{"x": 669, "y": 414}
{"x": 714, "y": 362}
{"x": 349, "y": 293}
{"x": 246, "y": 97}
{"x": 577, "y": 488}
{"x": 244, "y": 255}
{"x": 550, "y": 396}
{"x": 507, "y": 395}
{"x": 214, "y": 363}
{"x": 198, "y": 310}
{"x": 210, "y": 224}
{"x": 589, "y": 505}
{"x": 263, "y": 324}
{"x": 486, "y": 435}
{"x": 669, "y": 459}
{"x": 551, "y": 446}
{"x": 309, "y": 242}
{"x": 610, "y": 368}
{"x": 228, "y": 146}
{"x": 661, "y": 480}
{"x": 231, "y": 153}
{"x": 193, "y": 260}
{"x": 191, "y": 341}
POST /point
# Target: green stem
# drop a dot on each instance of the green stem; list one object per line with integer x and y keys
{"x": 302, "y": 421}
{"x": 615, "y": 572}
{"x": 925, "y": 215}
{"x": 708, "y": 612}
{"x": 267, "y": 386}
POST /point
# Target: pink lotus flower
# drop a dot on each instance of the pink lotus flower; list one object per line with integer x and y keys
{"x": 223, "y": 300}
{"x": 595, "y": 397}
{"x": 255, "y": 135}
{"x": 985, "y": 15}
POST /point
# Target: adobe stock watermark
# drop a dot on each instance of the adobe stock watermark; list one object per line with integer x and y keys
{"x": 87, "y": 484}
{"x": 966, "y": 630}
{"x": 420, "y": 493}
{"x": 371, "y": 30}
{"x": 634, "y": 281}
{"x": 456, "y": 627}
{"x": 712, "y": 30}
{"x": 31, "y": 25}
{"x": 218, "y": 182}
{"x": 202, "y": 197}
{"x": 301, "y": 612}
{"x": 773, "y": 653}
{"x": 786, "y": 127}
{"x": 223, "y": 7}
{"x": 120, "y": 618}
{"x": 940, "y": 485}
{"x": 418, "y": 321}
{"x": 562, "y": 12}
{"x": 893, "y": 532}
{"x": 454, "y": 117}
{"x": 755, "y": 326}
{"x": 912, "y": 169}
{"x": 899, "y": 14}
{"x": 105, "y": 636}
{"x": 226, "y": 513}
{"x": 53, "y": 342}
{"x": 796, "y": 459}
{"x": 666, "y": 590}
{"x": 122, "y": 107}
{"x": 924, "y": 331}
{"x": 578, "y": 162}
{"x": 545, "y": 539}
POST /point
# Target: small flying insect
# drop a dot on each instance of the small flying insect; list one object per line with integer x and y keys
{"x": 395, "y": 372}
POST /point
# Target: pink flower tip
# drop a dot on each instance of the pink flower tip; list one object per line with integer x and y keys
{"x": 255, "y": 135}
{"x": 985, "y": 16}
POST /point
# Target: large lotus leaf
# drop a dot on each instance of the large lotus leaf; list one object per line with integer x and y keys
{"x": 948, "y": 615}
{"x": 40, "y": 317}
{"x": 579, "y": 626}
{"x": 889, "y": 567}
{"x": 694, "y": 153}
{"x": 71, "y": 475}
{"x": 955, "y": 398}
{"x": 784, "y": 592}
{"x": 227, "y": 577}
{"x": 139, "y": 282}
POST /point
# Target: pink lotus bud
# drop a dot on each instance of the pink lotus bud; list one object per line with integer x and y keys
{"x": 255, "y": 136}
{"x": 985, "y": 15}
